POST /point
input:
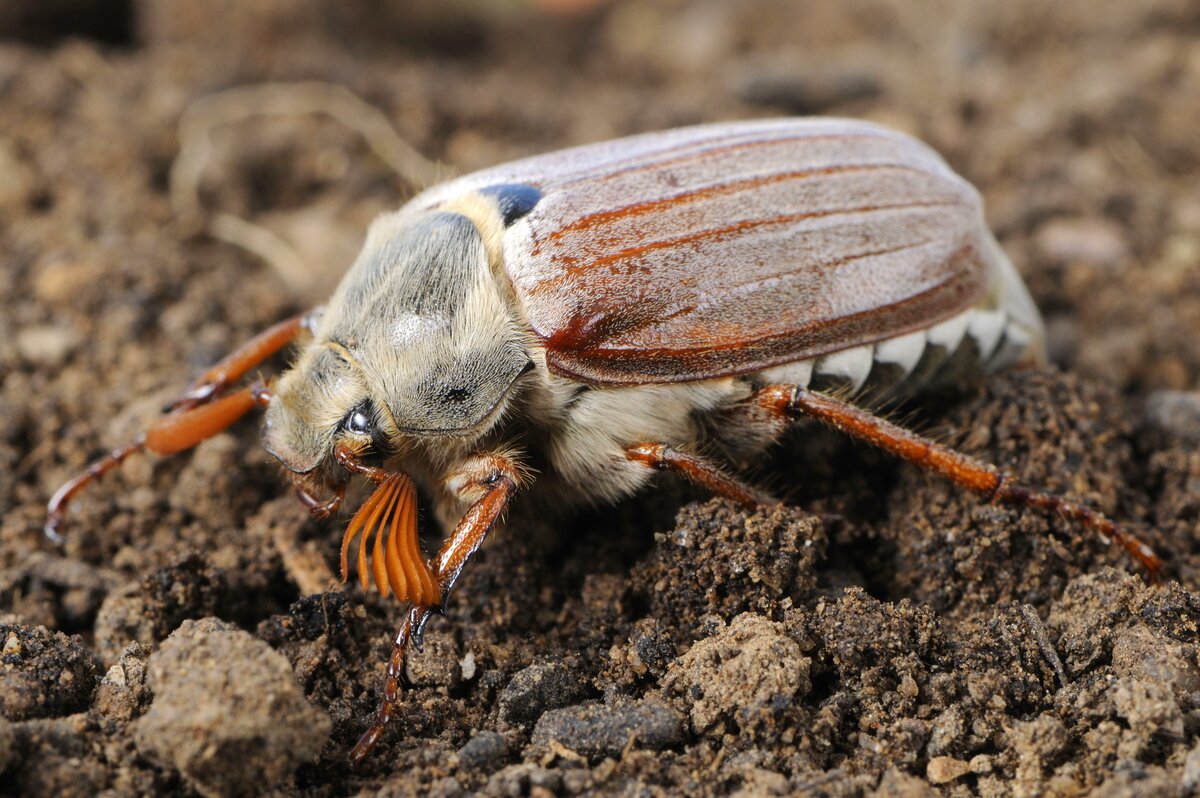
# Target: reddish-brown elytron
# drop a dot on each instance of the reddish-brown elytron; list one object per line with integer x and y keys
{"x": 606, "y": 312}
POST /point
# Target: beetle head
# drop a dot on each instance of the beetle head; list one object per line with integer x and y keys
{"x": 417, "y": 342}
{"x": 321, "y": 399}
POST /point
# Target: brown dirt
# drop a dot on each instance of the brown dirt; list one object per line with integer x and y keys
{"x": 907, "y": 640}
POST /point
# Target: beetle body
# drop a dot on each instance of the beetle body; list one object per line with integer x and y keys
{"x": 569, "y": 305}
{"x": 569, "y": 324}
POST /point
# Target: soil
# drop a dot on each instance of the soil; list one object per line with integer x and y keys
{"x": 880, "y": 634}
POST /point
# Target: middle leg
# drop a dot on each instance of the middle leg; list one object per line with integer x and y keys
{"x": 698, "y": 471}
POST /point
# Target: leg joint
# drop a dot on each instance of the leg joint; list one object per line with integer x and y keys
{"x": 779, "y": 400}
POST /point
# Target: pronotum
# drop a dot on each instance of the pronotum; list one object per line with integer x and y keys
{"x": 569, "y": 324}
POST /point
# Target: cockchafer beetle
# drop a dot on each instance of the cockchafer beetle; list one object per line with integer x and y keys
{"x": 579, "y": 320}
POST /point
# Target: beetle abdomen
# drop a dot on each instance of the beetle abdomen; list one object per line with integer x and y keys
{"x": 1002, "y": 330}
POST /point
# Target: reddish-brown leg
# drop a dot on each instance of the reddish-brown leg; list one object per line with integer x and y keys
{"x": 348, "y": 457}
{"x": 318, "y": 509}
{"x": 792, "y": 401}
{"x": 696, "y": 470}
{"x": 57, "y": 507}
{"x": 201, "y": 412}
{"x": 216, "y": 380}
{"x": 495, "y": 484}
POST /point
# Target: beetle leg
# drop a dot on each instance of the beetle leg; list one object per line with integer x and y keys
{"x": 216, "y": 380}
{"x": 318, "y": 509}
{"x": 492, "y": 481}
{"x": 348, "y": 458}
{"x": 696, "y": 470}
{"x": 201, "y": 412}
{"x": 172, "y": 434}
{"x": 789, "y": 401}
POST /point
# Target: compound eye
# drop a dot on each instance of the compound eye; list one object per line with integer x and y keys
{"x": 357, "y": 421}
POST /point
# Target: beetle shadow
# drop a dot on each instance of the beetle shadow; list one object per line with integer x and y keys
{"x": 854, "y": 486}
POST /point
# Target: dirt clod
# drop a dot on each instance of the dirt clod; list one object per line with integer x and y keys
{"x": 253, "y": 728}
{"x": 44, "y": 674}
{"x": 740, "y": 676}
{"x": 151, "y": 610}
{"x": 438, "y": 664}
{"x": 722, "y": 560}
{"x": 123, "y": 693}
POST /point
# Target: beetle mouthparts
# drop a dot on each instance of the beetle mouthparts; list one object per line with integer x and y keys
{"x": 390, "y": 515}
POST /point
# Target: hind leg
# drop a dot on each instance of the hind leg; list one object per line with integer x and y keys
{"x": 792, "y": 402}
{"x": 786, "y": 403}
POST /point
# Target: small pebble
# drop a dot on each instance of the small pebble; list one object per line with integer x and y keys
{"x": 59, "y": 282}
{"x": 47, "y": 345}
{"x": 534, "y": 690}
{"x": 1174, "y": 413}
{"x": 981, "y": 764}
{"x": 483, "y": 751}
{"x": 1094, "y": 240}
{"x": 600, "y": 730}
{"x": 943, "y": 769}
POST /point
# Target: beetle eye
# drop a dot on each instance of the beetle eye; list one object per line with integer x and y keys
{"x": 357, "y": 422}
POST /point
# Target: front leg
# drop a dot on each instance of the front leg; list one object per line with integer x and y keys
{"x": 320, "y": 510}
{"x": 489, "y": 482}
{"x": 217, "y": 379}
{"x": 201, "y": 412}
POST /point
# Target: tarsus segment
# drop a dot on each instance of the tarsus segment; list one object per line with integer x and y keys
{"x": 173, "y": 434}
{"x": 57, "y": 508}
